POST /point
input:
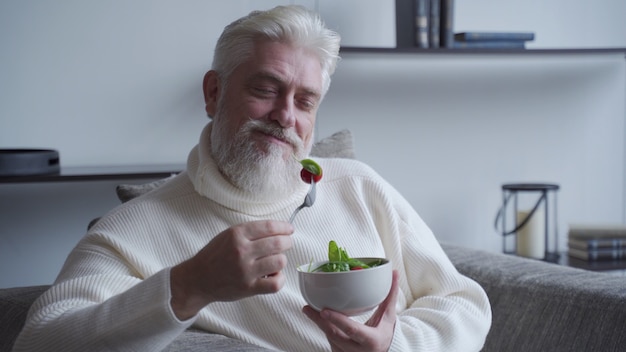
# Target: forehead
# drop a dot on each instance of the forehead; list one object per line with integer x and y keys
{"x": 286, "y": 63}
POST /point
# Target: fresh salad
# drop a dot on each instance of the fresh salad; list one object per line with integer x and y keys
{"x": 339, "y": 260}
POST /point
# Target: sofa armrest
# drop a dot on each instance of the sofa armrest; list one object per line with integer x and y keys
{"x": 14, "y": 304}
{"x": 540, "y": 306}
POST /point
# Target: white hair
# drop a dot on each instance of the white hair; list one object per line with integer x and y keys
{"x": 293, "y": 24}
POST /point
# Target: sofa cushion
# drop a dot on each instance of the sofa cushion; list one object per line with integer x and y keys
{"x": 199, "y": 340}
{"x": 540, "y": 306}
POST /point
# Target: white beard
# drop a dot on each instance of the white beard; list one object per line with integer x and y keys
{"x": 251, "y": 169}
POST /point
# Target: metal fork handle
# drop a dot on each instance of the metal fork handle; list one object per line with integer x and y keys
{"x": 309, "y": 199}
{"x": 295, "y": 212}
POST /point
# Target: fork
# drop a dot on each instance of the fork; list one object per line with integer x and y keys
{"x": 309, "y": 199}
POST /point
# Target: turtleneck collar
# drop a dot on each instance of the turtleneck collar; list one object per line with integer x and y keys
{"x": 210, "y": 183}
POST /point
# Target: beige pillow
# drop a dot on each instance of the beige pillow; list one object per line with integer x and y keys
{"x": 338, "y": 145}
{"x": 126, "y": 192}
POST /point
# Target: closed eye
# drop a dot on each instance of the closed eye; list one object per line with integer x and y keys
{"x": 264, "y": 85}
{"x": 306, "y": 104}
{"x": 308, "y": 101}
{"x": 264, "y": 91}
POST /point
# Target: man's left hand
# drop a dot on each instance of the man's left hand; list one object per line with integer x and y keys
{"x": 345, "y": 334}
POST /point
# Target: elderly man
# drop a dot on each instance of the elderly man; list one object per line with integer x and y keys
{"x": 211, "y": 247}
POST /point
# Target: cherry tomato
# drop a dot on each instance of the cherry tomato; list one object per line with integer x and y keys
{"x": 306, "y": 176}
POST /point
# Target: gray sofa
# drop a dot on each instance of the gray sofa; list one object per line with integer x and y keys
{"x": 537, "y": 306}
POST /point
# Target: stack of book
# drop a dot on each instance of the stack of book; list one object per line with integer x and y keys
{"x": 434, "y": 28}
{"x": 434, "y": 23}
{"x": 597, "y": 243}
{"x": 492, "y": 40}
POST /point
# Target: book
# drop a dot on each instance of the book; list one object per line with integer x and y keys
{"x": 597, "y": 231}
{"x": 596, "y": 243}
{"x": 602, "y": 254}
{"x": 493, "y": 36}
{"x": 491, "y": 45}
{"x": 422, "y": 15}
{"x": 433, "y": 24}
{"x": 607, "y": 266}
{"x": 446, "y": 24}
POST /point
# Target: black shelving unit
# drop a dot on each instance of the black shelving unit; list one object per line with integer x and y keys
{"x": 99, "y": 173}
{"x": 405, "y": 41}
{"x": 446, "y": 51}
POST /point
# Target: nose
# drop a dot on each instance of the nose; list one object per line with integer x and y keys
{"x": 284, "y": 112}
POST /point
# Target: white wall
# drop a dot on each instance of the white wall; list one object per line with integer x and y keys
{"x": 456, "y": 128}
{"x": 118, "y": 82}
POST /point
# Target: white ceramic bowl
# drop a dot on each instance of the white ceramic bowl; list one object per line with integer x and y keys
{"x": 349, "y": 292}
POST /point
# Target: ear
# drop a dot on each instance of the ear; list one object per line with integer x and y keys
{"x": 211, "y": 88}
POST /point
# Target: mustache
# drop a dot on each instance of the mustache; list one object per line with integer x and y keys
{"x": 275, "y": 131}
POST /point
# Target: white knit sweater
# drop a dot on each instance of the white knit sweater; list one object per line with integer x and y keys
{"x": 113, "y": 291}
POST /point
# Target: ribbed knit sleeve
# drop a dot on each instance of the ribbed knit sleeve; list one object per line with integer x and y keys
{"x": 444, "y": 311}
{"x": 137, "y": 318}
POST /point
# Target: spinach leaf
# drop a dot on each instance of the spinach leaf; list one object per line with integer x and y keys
{"x": 339, "y": 260}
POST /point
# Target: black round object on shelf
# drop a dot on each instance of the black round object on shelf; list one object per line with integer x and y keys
{"x": 26, "y": 162}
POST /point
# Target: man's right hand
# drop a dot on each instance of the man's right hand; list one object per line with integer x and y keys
{"x": 242, "y": 261}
